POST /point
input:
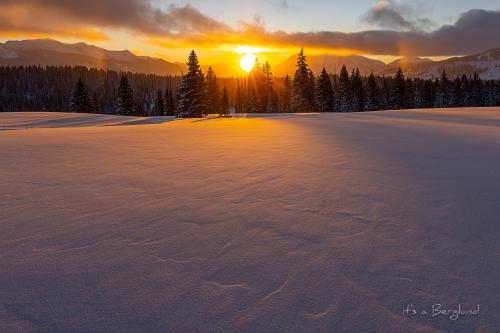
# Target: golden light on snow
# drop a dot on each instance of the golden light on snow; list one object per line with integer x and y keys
{"x": 248, "y": 61}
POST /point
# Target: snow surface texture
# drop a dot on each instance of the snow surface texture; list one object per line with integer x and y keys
{"x": 291, "y": 223}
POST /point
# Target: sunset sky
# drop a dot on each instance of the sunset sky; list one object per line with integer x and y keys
{"x": 381, "y": 29}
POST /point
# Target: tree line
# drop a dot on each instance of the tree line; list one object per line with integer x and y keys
{"x": 352, "y": 92}
{"x": 79, "y": 89}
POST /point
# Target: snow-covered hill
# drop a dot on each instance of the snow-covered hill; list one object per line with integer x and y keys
{"x": 487, "y": 64}
{"x": 290, "y": 223}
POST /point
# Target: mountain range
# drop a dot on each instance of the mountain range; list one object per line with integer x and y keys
{"x": 46, "y": 52}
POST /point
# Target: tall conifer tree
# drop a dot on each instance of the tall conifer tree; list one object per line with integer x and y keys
{"x": 80, "y": 100}
{"x": 190, "y": 100}
{"x": 303, "y": 90}
{"x": 125, "y": 98}
{"x": 324, "y": 93}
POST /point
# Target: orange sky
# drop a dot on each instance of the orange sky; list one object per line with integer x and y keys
{"x": 154, "y": 28}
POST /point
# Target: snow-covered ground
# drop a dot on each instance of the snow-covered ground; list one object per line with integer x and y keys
{"x": 291, "y": 223}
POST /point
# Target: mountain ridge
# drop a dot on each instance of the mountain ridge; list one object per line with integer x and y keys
{"x": 50, "y": 52}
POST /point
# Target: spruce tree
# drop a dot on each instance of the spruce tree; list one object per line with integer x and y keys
{"x": 324, "y": 93}
{"x": 224, "y": 103}
{"x": 190, "y": 100}
{"x": 410, "y": 94}
{"x": 357, "y": 91}
{"x": 303, "y": 91}
{"x": 477, "y": 90}
{"x": 344, "y": 91}
{"x": 372, "y": 100}
{"x": 430, "y": 94}
{"x": 80, "y": 100}
{"x": 240, "y": 98}
{"x": 398, "y": 91}
{"x": 169, "y": 102}
{"x": 125, "y": 98}
{"x": 444, "y": 92}
{"x": 159, "y": 108}
{"x": 286, "y": 95}
{"x": 212, "y": 93}
{"x": 269, "y": 94}
{"x": 458, "y": 93}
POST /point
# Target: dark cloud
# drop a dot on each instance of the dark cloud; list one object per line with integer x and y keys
{"x": 474, "y": 31}
{"x": 138, "y": 15}
{"x": 395, "y": 15}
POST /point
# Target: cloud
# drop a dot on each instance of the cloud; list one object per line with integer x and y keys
{"x": 396, "y": 15}
{"x": 186, "y": 27}
{"x": 137, "y": 15}
{"x": 474, "y": 31}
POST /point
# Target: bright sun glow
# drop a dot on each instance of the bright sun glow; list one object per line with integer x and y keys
{"x": 247, "y": 62}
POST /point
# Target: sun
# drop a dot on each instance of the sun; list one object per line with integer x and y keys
{"x": 248, "y": 62}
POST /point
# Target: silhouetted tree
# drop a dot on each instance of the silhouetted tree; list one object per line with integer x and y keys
{"x": 372, "y": 100}
{"x": 444, "y": 92}
{"x": 190, "y": 101}
{"x": 159, "y": 104}
{"x": 324, "y": 93}
{"x": 343, "y": 92}
{"x": 286, "y": 95}
{"x": 212, "y": 93}
{"x": 357, "y": 92}
{"x": 125, "y": 98}
{"x": 303, "y": 90}
{"x": 224, "y": 103}
{"x": 80, "y": 100}
{"x": 398, "y": 91}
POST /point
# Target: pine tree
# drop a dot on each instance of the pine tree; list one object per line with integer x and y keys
{"x": 240, "y": 98}
{"x": 497, "y": 93}
{"x": 477, "y": 90}
{"x": 372, "y": 100}
{"x": 169, "y": 103}
{"x": 286, "y": 95}
{"x": 212, "y": 93}
{"x": 344, "y": 91}
{"x": 125, "y": 98}
{"x": 324, "y": 93}
{"x": 159, "y": 109}
{"x": 190, "y": 100}
{"x": 398, "y": 91}
{"x": 303, "y": 91}
{"x": 224, "y": 103}
{"x": 444, "y": 92}
{"x": 430, "y": 94}
{"x": 269, "y": 94}
{"x": 458, "y": 93}
{"x": 410, "y": 94}
{"x": 80, "y": 100}
{"x": 357, "y": 92}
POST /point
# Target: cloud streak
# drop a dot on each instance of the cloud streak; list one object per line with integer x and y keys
{"x": 185, "y": 26}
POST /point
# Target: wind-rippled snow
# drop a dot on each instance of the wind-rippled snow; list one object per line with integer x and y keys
{"x": 291, "y": 223}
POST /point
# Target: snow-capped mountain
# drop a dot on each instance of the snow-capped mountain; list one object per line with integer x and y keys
{"x": 486, "y": 64}
{"x": 51, "y": 52}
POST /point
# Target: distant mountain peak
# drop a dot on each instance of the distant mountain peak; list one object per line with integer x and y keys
{"x": 50, "y": 52}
